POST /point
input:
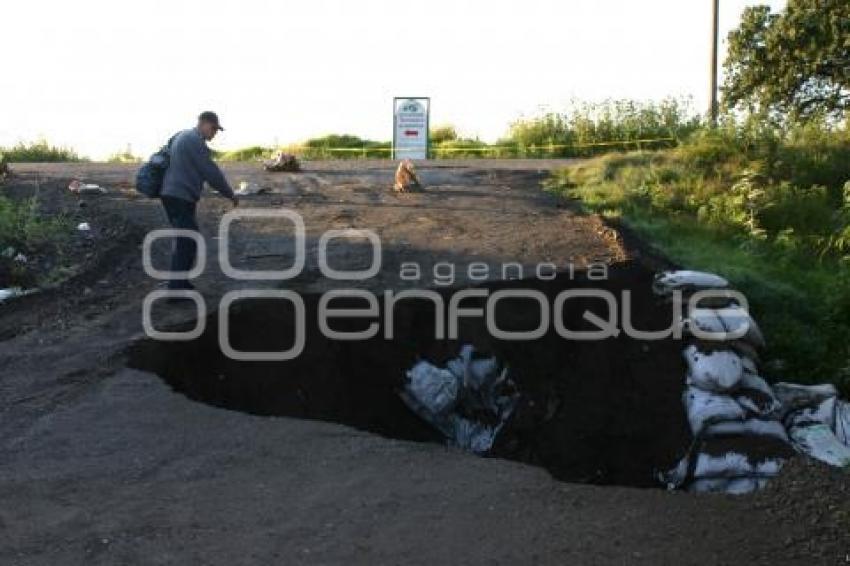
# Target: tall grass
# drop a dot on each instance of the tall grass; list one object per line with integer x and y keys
{"x": 588, "y": 129}
{"x": 352, "y": 147}
{"x": 767, "y": 208}
{"x": 585, "y": 129}
{"x": 39, "y": 152}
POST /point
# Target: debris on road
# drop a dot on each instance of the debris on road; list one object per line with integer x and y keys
{"x": 405, "y": 177}
{"x": 246, "y": 188}
{"x": 81, "y": 188}
{"x": 468, "y": 401}
{"x": 281, "y": 162}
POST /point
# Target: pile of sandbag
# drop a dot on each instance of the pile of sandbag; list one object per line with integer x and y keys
{"x": 743, "y": 428}
{"x": 281, "y": 161}
{"x": 817, "y": 421}
{"x": 468, "y": 400}
{"x": 739, "y": 441}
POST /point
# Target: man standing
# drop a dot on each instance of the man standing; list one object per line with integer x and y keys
{"x": 191, "y": 165}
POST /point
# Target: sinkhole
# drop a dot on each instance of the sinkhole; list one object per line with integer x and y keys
{"x": 604, "y": 411}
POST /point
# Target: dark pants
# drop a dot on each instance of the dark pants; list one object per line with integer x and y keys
{"x": 181, "y": 214}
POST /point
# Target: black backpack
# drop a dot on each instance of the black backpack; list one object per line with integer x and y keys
{"x": 150, "y": 177}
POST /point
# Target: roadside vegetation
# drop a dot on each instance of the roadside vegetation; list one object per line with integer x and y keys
{"x": 585, "y": 129}
{"x": 26, "y": 233}
{"x": 38, "y": 152}
{"x": 770, "y": 213}
{"x": 763, "y": 198}
{"x": 125, "y": 156}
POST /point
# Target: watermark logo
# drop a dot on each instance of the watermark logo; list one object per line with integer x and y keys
{"x": 730, "y": 321}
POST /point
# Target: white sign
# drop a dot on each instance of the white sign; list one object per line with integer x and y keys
{"x": 410, "y": 128}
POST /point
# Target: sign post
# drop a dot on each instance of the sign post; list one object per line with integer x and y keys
{"x": 411, "y": 116}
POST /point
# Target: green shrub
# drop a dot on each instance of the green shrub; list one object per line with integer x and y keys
{"x": 125, "y": 156}
{"x": 25, "y": 229}
{"x": 767, "y": 208}
{"x": 39, "y": 152}
{"x": 442, "y": 134}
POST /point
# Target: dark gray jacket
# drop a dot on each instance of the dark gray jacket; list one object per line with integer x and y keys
{"x": 191, "y": 165}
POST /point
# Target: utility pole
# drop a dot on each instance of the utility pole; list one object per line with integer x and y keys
{"x": 715, "y": 33}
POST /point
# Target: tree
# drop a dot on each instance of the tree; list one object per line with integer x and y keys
{"x": 795, "y": 62}
{"x": 441, "y": 134}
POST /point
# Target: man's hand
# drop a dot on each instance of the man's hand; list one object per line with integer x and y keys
{"x": 235, "y": 200}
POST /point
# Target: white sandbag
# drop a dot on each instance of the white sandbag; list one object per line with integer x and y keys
{"x": 756, "y": 396}
{"x": 719, "y": 370}
{"x": 473, "y": 436}
{"x": 433, "y": 388}
{"x": 737, "y": 321}
{"x": 794, "y": 396}
{"x": 686, "y": 281}
{"x": 822, "y": 413}
{"x": 702, "y": 321}
{"x": 734, "y": 486}
{"x": 729, "y": 465}
{"x": 727, "y": 324}
{"x": 476, "y": 372}
{"x": 705, "y": 408}
{"x": 744, "y": 349}
{"x": 713, "y": 473}
{"x": 484, "y": 383}
{"x": 752, "y": 381}
{"x": 734, "y": 465}
{"x": 709, "y": 485}
{"x": 468, "y": 385}
{"x": 819, "y": 442}
{"x": 748, "y": 427}
{"x": 842, "y": 422}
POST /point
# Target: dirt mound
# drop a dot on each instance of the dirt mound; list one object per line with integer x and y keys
{"x": 812, "y": 495}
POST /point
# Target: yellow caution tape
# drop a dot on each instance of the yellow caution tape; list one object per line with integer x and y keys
{"x": 450, "y": 149}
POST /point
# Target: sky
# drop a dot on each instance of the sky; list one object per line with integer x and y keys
{"x": 101, "y": 75}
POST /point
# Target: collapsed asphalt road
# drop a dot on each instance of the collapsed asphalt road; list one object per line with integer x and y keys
{"x": 105, "y": 464}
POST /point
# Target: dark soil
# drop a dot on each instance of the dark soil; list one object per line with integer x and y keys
{"x": 604, "y": 412}
{"x": 816, "y": 496}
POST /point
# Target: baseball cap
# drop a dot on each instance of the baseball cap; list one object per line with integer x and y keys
{"x": 210, "y": 117}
